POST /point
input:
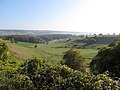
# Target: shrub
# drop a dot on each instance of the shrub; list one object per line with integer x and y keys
{"x": 108, "y": 58}
{"x": 4, "y": 50}
{"x": 73, "y": 59}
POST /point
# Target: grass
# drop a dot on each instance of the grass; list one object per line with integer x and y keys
{"x": 52, "y": 53}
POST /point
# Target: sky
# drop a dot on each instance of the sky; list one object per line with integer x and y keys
{"x": 63, "y": 15}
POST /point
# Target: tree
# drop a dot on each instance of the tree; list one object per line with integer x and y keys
{"x": 100, "y": 34}
{"x": 114, "y": 43}
{"x": 35, "y": 46}
{"x": 107, "y": 59}
{"x": 4, "y": 50}
{"x": 73, "y": 59}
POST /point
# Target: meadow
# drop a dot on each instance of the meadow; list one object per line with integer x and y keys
{"x": 52, "y": 52}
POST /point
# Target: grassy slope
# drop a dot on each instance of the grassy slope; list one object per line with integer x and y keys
{"x": 50, "y": 52}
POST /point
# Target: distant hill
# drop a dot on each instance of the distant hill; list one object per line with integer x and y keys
{"x": 50, "y": 37}
{"x": 98, "y": 40}
{"x": 38, "y": 32}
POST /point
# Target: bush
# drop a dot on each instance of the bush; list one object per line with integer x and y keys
{"x": 73, "y": 59}
{"x": 108, "y": 58}
{"x": 4, "y": 50}
{"x": 61, "y": 77}
{"x": 100, "y": 82}
{"x": 15, "y": 81}
{"x": 50, "y": 77}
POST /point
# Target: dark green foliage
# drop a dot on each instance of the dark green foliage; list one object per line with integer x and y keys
{"x": 37, "y": 75}
{"x": 57, "y": 78}
{"x": 61, "y": 77}
{"x": 23, "y": 38}
{"x": 15, "y": 81}
{"x": 107, "y": 58}
{"x": 49, "y": 77}
{"x": 114, "y": 43}
{"x": 100, "y": 82}
{"x": 35, "y": 46}
{"x": 73, "y": 59}
{"x": 32, "y": 66}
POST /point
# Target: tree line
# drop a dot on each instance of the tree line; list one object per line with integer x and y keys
{"x": 49, "y": 37}
{"x": 23, "y": 38}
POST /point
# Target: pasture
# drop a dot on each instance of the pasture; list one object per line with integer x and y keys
{"x": 52, "y": 52}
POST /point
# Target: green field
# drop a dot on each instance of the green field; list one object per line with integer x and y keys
{"x": 52, "y": 52}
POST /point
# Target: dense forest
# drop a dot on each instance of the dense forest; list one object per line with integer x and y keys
{"x": 70, "y": 74}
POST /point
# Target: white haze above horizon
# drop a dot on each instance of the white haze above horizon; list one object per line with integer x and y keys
{"x": 93, "y": 16}
{"x": 81, "y": 16}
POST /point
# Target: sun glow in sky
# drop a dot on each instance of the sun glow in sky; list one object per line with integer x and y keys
{"x": 64, "y": 15}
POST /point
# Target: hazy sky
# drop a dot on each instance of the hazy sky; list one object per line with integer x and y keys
{"x": 66, "y": 15}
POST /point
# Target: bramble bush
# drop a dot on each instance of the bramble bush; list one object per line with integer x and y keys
{"x": 61, "y": 77}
